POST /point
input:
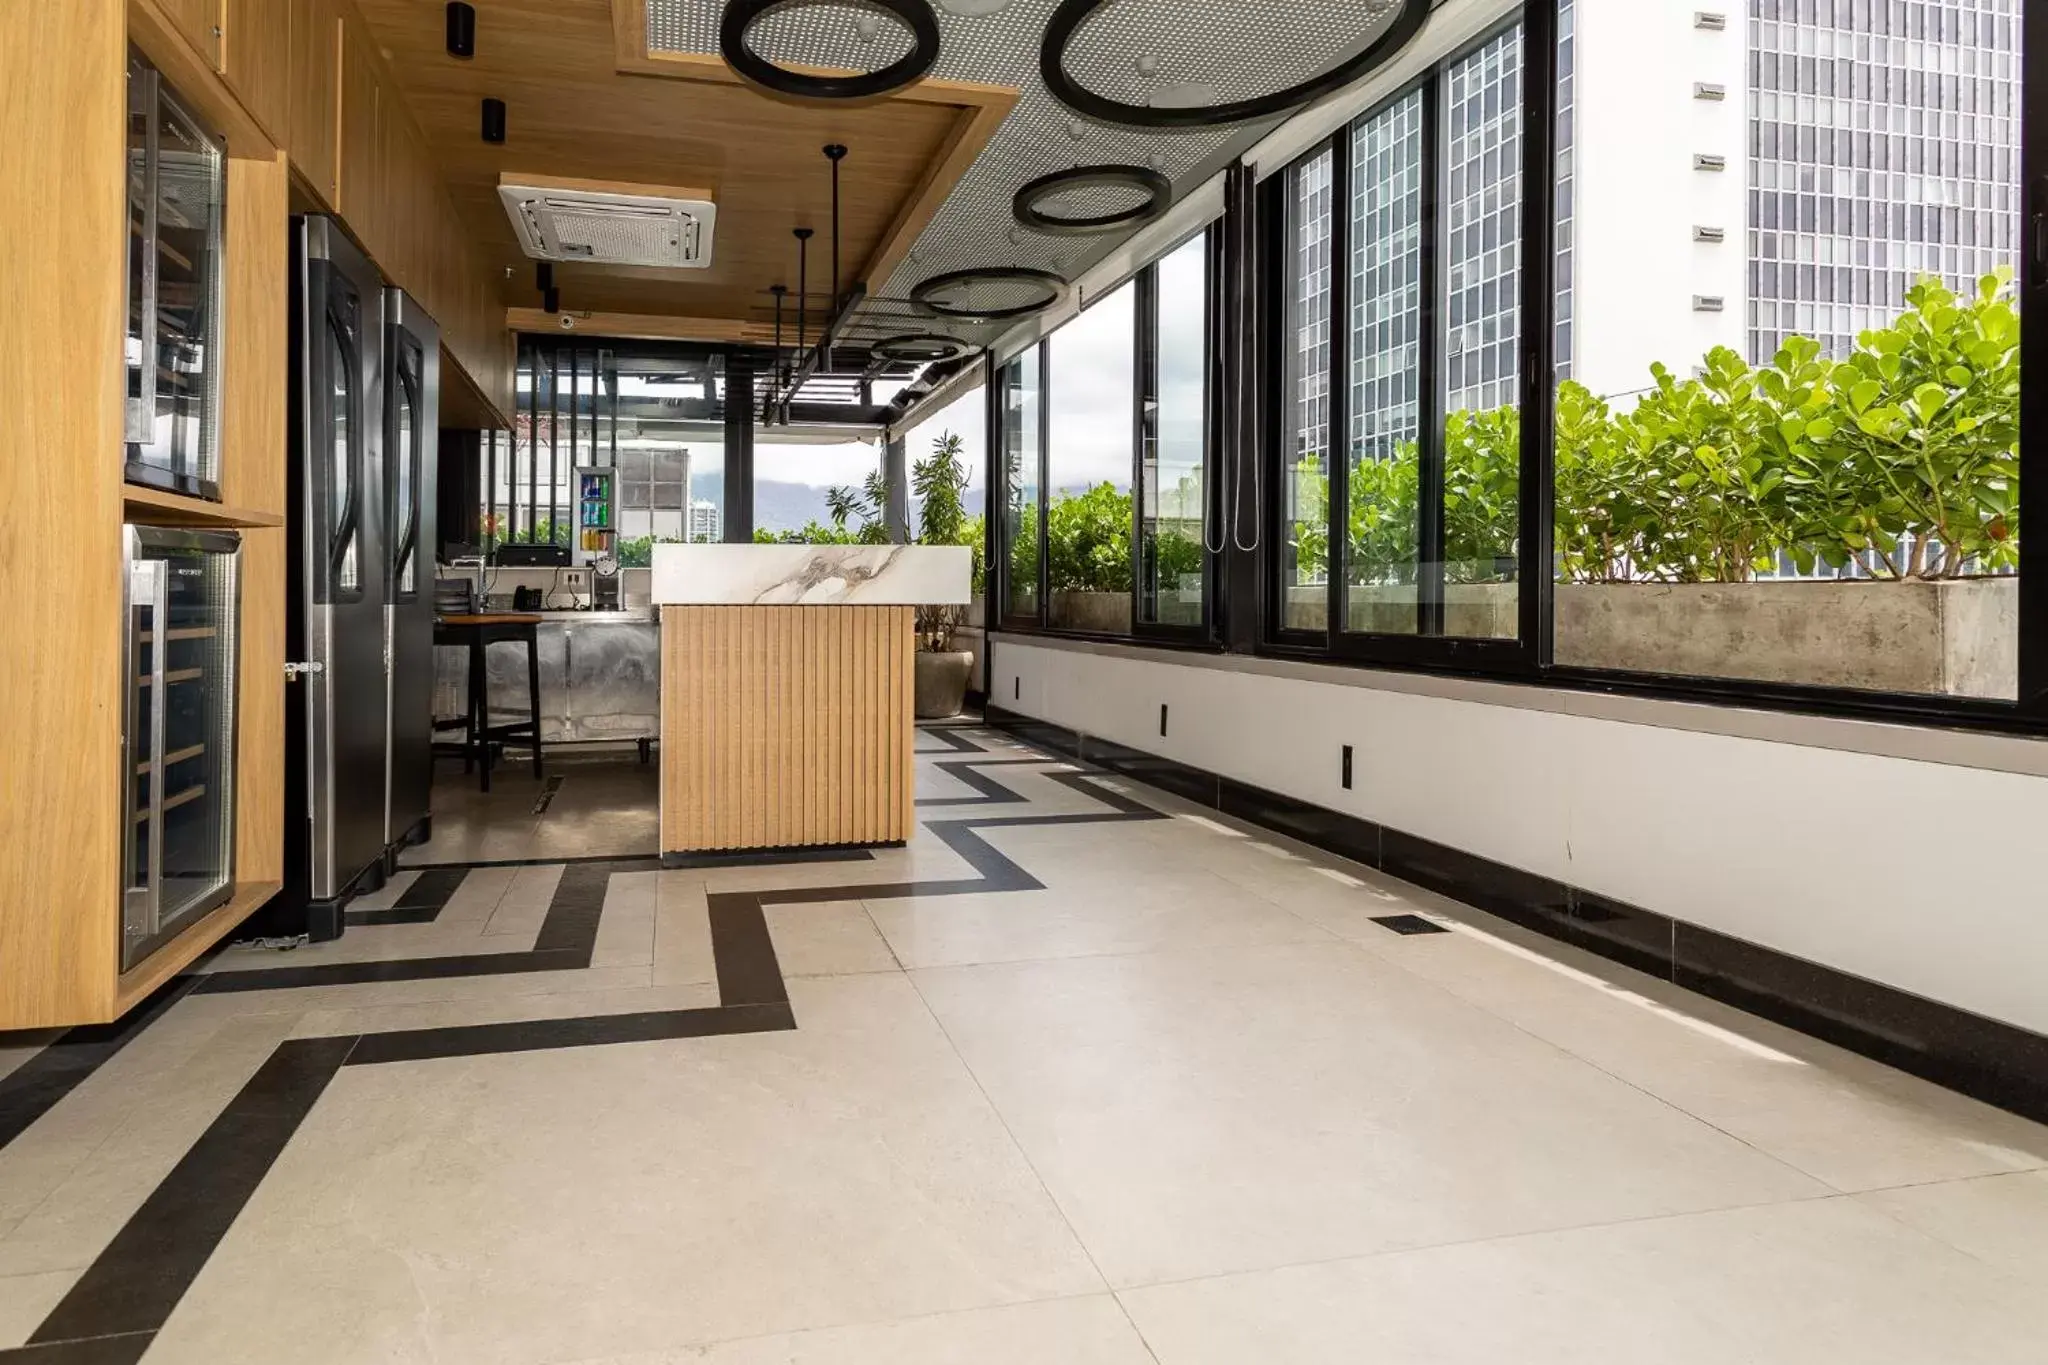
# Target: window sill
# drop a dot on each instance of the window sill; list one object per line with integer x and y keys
{"x": 1983, "y": 736}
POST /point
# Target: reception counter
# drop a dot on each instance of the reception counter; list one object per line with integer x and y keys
{"x": 786, "y": 684}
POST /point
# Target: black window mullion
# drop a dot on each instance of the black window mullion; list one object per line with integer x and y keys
{"x": 1432, "y": 374}
{"x": 2033, "y": 491}
{"x": 554, "y": 446}
{"x": 1338, "y": 406}
{"x": 1144, "y": 429}
{"x": 1044, "y": 345}
{"x": 1534, "y": 553}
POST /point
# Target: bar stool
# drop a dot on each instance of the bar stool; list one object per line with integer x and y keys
{"x": 477, "y": 633}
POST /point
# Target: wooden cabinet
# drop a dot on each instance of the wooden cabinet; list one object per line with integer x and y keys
{"x": 256, "y": 59}
{"x": 360, "y": 189}
{"x": 314, "y": 109}
{"x": 199, "y": 21}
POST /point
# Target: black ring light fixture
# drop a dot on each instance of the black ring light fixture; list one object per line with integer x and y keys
{"x": 1055, "y": 289}
{"x": 1071, "y": 14}
{"x": 915, "y": 15}
{"x": 1158, "y": 197}
{"x": 920, "y": 348}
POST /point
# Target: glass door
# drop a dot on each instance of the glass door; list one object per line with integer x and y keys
{"x": 176, "y": 192}
{"x": 182, "y": 612}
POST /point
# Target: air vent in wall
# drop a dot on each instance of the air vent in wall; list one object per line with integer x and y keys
{"x": 1709, "y": 19}
{"x": 1709, "y": 90}
{"x": 604, "y": 223}
{"x": 1702, "y": 233}
{"x": 1707, "y": 162}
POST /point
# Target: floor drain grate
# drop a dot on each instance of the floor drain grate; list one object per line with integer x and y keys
{"x": 1409, "y": 924}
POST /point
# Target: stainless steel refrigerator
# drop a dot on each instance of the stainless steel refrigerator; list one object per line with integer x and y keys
{"x": 412, "y": 403}
{"x": 337, "y": 709}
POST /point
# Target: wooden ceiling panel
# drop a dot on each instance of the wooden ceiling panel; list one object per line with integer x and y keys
{"x": 571, "y": 111}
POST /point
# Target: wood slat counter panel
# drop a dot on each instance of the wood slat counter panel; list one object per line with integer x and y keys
{"x": 785, "y": 727}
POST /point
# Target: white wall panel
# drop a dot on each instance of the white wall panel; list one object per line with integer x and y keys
{"x": 1900, "y": 870}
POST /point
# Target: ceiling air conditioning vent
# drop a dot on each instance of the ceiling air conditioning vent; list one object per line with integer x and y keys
{"x": 603, "y": 223}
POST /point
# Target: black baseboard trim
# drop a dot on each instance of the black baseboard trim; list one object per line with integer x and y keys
{"x": 1981, "y": 1057}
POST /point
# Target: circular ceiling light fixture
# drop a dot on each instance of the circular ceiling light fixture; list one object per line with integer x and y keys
{"x": 1154, "y": 189}
{"x": 921, "y": 348}
{"x": 914, "y": 15}
{"x": 1066, "y": 21}
{"x": 990, "y": 294}
{"x": 974, "y": 9}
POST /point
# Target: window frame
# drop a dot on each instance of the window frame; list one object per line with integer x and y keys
{"x": 1145, "y": 363}
{"x": 1528, "y": 660}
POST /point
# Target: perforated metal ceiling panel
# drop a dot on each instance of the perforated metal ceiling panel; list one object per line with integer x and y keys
{"x": 1135, "y": 50}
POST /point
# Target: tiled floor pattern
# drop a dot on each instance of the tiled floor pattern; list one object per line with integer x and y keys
{"x": 1056, "y": 1082}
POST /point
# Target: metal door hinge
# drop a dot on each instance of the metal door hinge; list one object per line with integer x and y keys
{"x": 294, "y": 672}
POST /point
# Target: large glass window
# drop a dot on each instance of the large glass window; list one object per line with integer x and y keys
{"x": 1305, "y": 398}
{"x": 1091, "y": 374}
{"x": 1789, "y": 452}
{"x": 1173, "y": 473}
{"x": 1383, "y": 549}
{"x": 957, "y": 432}
{"x": 1022, "y": 450}
{"x": 1423, "y": 512}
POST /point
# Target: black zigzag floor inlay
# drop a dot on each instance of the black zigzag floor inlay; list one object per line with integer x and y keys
{"x": 112, "y": 1314}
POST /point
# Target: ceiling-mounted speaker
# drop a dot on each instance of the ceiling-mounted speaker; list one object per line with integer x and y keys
{"x": 461, "y": 29}
{"x": 913, "y": 15}
{"x": 494, "y": 121}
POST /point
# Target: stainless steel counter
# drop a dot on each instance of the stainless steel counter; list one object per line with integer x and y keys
{"x": 600, "y": 677}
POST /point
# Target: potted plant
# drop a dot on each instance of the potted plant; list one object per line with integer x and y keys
{"x": 942, "y": 672}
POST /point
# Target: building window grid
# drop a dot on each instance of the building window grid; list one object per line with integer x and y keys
{"x": 1567, "y": 81}
{"x": 1884, "y": 145}
{"x": 1483, "y": 216}
{"x": 1312, "y": 189}
{"x": 1386, "y": 272}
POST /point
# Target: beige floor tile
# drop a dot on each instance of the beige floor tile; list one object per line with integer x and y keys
{"x": 329, "y": 1023}
{"x": 547, "y": 1205}
{"x": 374, "y": 994}
{"x": 830, "y": 938}
{"x": 625, "y": 931}
{"x": 525, "y": 903}
{"x": 44, "y": 1155}
{"x": 1200, "y": 1112}
{"x": 387, "y": 896}
{"x": 1841, "y": 1118}
{"x": 82, "y": 1214}
{"x": 1084, "y": 916}
{"x": 2001, "y": 1219}
{"x": 1087, "y": 1331}
{"x": 682, "y": 931}
{"x": 25, "y": 1300}
{"x": 1791, "y": 1284}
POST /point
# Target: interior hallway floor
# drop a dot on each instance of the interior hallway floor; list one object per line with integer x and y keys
{"x": 1080, "y": 1075}
{"x": 589, "y": 800}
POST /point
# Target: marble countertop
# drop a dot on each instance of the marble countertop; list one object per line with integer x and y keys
{"x": 812, "y": 575}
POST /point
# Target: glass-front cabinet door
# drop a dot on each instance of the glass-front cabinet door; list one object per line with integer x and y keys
{"x": 176, "y": 173}
{"x": 182, "y": 612}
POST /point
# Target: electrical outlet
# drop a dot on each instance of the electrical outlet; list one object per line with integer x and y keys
{"x": 1162, "y": 719}
{"x": 576, "y": 580}
{"x": 1347, "y": 767}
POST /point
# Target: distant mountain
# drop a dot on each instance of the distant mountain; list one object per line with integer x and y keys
{"x": 781, "y": 506}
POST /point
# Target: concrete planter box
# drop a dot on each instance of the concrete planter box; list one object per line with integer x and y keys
{"x": 1104, "y": 613}
{"x": 1957, "y": 639}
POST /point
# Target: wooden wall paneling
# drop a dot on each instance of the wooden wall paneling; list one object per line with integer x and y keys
{"x": 256, "y": 59}
{"x": 254, "y": 474}
{"x": 192, "y": 70}
{"x": 63, "y": 78}
{"x": 359, "y": 187}
{"x": 315, "y": 111}
{"x": 198, "y": 22}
